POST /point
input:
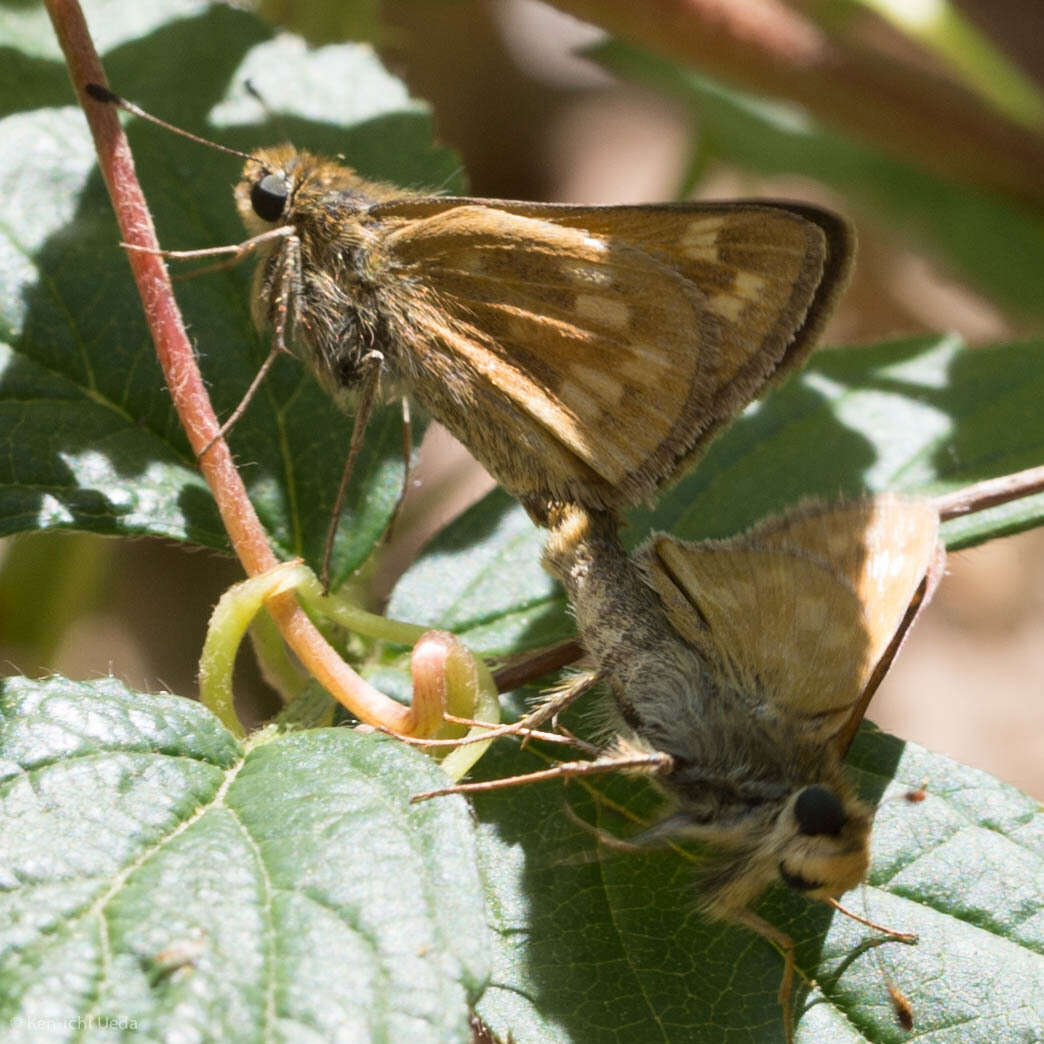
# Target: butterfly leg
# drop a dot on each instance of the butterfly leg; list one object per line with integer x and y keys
{"x": 291, "y": 260}
{"x": 556, "y": 700}
{"x": 237, "y": 250}
{"x": 407, "y": 465}
{"x": 526, "y": 727}
{"x": 891, "y": 933}
{"x": 371, "y": 366}
{"x": 785, "y": 945}
{"x": 653, "y": 763}
{"x": 603, "y": 837}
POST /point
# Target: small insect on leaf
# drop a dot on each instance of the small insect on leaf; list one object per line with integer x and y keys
{"x": 902, "y": 1008}
{"x": 177, "y": 958}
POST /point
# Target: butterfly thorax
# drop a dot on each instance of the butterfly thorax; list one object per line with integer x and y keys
{"x": 331, "y": 275}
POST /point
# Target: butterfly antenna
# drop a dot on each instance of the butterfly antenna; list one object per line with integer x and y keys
{"x": 104, "y": 95}
{"x": 452, "y": 176}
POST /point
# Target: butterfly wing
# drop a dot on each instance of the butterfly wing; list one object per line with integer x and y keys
{"x": 769, "y": 274}
{"x": 806, "y": 610}
{"x": 786, "y": 634}
{"x": 883, "y": 546}
{"x": 609, "y": 343}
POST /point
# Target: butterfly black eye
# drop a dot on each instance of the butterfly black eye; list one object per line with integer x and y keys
{"x": 268, "y": 197}
{"x": 819, "y": 811}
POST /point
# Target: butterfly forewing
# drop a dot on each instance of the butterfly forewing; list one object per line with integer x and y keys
{"x": 883, "y": 547}
{"x": 570, "y": 329}
{"x": 623, "y": 336}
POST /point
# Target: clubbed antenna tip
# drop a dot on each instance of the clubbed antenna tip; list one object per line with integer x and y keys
{"x": 103, "y": 94}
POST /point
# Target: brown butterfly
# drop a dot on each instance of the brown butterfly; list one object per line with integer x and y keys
{"x": 581, "y": 353}
{"x": 749, "y": 663}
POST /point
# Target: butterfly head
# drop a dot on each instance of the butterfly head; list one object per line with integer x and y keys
{"x": 283, "y": 185}
{"x": 822, "y": 840}
{"x": 812, "y": 837}
{"x": 268, "y": 185}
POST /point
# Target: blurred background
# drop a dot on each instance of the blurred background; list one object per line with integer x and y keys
{"x": 951, "y": 88}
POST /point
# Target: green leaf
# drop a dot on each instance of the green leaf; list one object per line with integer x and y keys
{"x": 602, "y": 946}
{"x": 325, "y": 21}
{"x": 159, "y": 873}
{"x": 88, "y": 437}
{"x": 993, "y": 241}
{"x": 59, "y": 579}
{"x": 924, "y": 416}
{"x": 971, "y": 54}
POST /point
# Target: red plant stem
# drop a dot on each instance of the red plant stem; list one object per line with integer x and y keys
{"x": 187, "y": 390}
{"x": 537, "y": 663}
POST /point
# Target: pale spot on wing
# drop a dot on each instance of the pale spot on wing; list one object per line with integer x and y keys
{"x": 606, "y": 386}
{"x": 642, "y": 358}
{"x": 702, "y": 253}
{"x": 747, "y": 284}
{"x": 700, "y": 240}
{"x": 595, "y": 243}
{"x": 746, "y": 289}
{"x": 646, "y": 371}
{"x": 710, "y": 223}
{"x": 607, "y": 310}
{"x": 580, "y": 400}
{"x": 633, "y": 369}
{"x": 727, "y": 306}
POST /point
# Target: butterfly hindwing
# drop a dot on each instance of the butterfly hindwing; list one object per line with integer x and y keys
{"x": 802, "y": 611}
